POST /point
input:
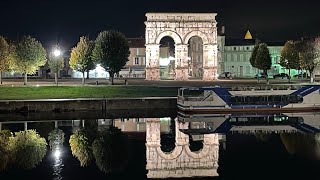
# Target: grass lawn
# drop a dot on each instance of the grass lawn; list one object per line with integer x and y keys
{"x": 60, "y": 92}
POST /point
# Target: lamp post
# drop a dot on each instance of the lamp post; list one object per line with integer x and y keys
{"x": 56, "y": 54}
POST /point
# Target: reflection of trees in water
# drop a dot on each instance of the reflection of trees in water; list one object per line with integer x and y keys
{"x": 306, "y": 145}
{"x": 5, "y": 152}
{"x": 108, "y": 147}
{"x": 110, "y": 150}
{"x": 24, "y": 149}
{"x": 80, "y": 147}
{"x": 81, "y": 141}
{"x": 56, "y": 138}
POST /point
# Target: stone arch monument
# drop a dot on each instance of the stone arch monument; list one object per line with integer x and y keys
{"x": 181, "y": 162}
{"x": 181, "y": 27}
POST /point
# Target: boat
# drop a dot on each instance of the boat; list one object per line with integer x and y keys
{"x": 224, "y": 100}
{"x": 199, "y": 124}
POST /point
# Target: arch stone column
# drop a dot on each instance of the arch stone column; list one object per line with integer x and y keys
{"x": 181, "y": 63}
{"x": 210, "y": 62}
{"x": 152, "y": 62}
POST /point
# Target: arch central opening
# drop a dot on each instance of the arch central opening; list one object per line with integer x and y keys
{"x": 167, "y": 58}
{"x": 195, "y": 57}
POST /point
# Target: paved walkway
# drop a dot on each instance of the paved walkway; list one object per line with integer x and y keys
{"x": 173, "y": 83}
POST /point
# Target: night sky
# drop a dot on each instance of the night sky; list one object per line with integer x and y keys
{"x": 63, "y": 22}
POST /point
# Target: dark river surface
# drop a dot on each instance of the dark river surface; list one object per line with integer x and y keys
{"x": 167, "y": 144}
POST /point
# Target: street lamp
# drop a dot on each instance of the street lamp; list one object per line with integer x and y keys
{"x": 56, "y": 53}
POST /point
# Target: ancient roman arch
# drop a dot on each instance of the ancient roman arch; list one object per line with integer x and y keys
{"x": 181, "y": 162}
{"x": 181, "y": 27}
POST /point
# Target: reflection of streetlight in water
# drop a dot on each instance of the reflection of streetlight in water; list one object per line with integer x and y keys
{"x": 57, "y": 164}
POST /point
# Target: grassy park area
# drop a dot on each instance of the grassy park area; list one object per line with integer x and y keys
{"x": 61, "y": 92}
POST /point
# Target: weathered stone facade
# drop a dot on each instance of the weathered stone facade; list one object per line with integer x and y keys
{"x": 181, "y": 162}
{"x": 181, "y": 27}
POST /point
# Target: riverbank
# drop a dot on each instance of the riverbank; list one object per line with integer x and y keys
{"x": 72, "y": 92}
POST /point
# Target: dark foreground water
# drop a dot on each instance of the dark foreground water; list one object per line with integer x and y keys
{"x": 285, "y": 146}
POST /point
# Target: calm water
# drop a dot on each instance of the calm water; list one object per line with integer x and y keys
{"x": 212, "y": 146}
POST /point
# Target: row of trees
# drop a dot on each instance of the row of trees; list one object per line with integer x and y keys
{"x": 24, "y": 56}
{"x": 110, "y": 50}
{"x": 301, "y": 55}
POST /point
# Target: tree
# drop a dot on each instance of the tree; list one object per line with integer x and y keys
{"x": 263, "y": 59}
{"x": 309, "y": 53}
{"x": 30, "y": 54}
{"x": 56, "y": 63}
{"x": 4, "y": 56}
{"x": 254, "y": 55}
{"x": 111, "y": 51}
{"x": 290, "y": 57}
{"x": 81, "y": 56}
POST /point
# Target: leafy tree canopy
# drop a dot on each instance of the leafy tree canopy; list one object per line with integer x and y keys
{"x": 111, "y": 51}
{"x": 290, "y": 56}
{"x": 80, "y": 58}
{"x": 263, "y": 59}
{"x": 30, "y": 55}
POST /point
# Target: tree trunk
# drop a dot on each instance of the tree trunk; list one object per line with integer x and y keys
{"x": 0, "y": 77}
{"x": 25, "y": 78}
{"x": 289, "y": 75}
{"x": 311, "y": 77}
{"x": 111, "y": 76}
{"x": 83, "y": 78}
{"x": 87, "y": 74}
{"x": 56, "y": 78}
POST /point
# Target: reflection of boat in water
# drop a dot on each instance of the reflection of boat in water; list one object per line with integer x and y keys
{"x": 250, "y": 123}
{"x": 219, "y": 99}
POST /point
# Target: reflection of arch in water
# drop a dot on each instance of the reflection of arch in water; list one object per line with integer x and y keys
{"x": 181, "y": 162}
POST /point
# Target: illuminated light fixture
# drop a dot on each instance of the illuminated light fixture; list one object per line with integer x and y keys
{"x": 57, "y": 153}
{"x": 56, "y": 52}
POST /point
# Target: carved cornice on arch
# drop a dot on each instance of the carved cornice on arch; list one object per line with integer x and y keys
{"x": 175, "y": 36}
{"x": 202, "y": 35}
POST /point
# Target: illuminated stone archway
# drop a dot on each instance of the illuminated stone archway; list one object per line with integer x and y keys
{"x": 181, "y": 27}
{"x": 181, "y": 162}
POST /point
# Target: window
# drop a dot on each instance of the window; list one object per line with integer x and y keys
{"x": 136, "y": 61}
{"x": 241, "y": 57}
{"x": 235, "y": 57}
{"x": 247, "y": 48}
{"x": 235, "y": 48}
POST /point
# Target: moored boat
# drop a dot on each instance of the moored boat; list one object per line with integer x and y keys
{"x": 220, "y": 99}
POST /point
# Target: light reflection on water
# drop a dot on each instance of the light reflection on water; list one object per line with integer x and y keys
{"x": 286, "y": 135}
{"x": 57, "y": 167}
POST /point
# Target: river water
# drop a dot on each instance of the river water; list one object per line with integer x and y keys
{"x": 152, "y": 145}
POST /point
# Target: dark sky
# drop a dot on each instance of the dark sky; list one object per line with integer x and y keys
{"x": 64, "y": 21}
